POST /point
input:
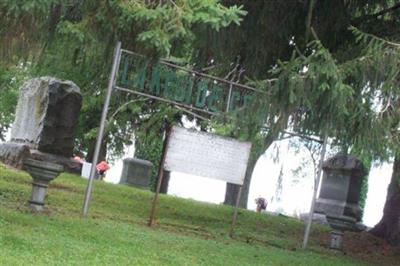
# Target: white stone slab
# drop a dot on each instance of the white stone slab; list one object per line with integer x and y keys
{"x": 207, "y": 155}
{"x": 86, "y": 167}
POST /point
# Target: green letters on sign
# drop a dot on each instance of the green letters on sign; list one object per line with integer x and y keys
{"x": 180, "y": 86}
{"x": 155, "y": 81}
{"x": 125, "y": 81}
{"x": 140, "y": 77}
{"x": 214, "y": 98}
{"x": 180, "y": 90}
{"x": 201, "y": 95}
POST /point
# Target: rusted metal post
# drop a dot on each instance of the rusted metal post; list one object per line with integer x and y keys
{"x": 160, "y": 176}
{"x": 234, "y": 218}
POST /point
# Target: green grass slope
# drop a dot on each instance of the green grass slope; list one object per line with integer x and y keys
{"x": 187, "y": 232}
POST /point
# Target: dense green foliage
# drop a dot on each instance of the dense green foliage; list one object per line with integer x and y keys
{"x": 187, "y": 232}
{"x": 74, "y": 40}
{"x": 67, "y": 39}
{"x": 326, "y": 86}
{"x": 325, "y": 67}
{"x": 271, "y": 28}
{"x": 150, "y": 138}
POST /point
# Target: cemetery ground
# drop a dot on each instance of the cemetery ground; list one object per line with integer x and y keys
{"x": 187, "y": 232}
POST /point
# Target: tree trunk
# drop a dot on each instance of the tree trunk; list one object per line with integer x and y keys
{"x": 246, "y": 184}
{"x": 257, "y": 150}
{"x": 165, "y": 182}
{"x": 389, "y": 226}
{"x": 232, "y": 190}
{"x": 231, "y": 193}
{"x": 102, "y": 154}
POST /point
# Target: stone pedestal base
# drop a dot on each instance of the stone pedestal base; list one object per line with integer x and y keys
{"x": 42, "y": 173}
{"x": 69, "y": 164}
{"x": 336, "y": 240}
{"x": 13, "y": 154}
{"x": 38, "y": 194}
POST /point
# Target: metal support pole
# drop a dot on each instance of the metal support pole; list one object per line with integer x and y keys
{"x": 111, "y": 83}
{"x": 234, "y": 218}
{"x": 160, "y": 176}
{"x": 318, "y": 179}
{"x": 228, "y": 104}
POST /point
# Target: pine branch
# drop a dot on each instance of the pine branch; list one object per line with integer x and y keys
{"x": 309, "y": 19}
{"x": 372, "y": 36}
{"x": 375, "y": 15}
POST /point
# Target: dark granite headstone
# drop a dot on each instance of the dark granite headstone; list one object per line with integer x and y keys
{"x": 340, "y": 187}
{"x": 340, "y": 194}
{"x": 136, "y": 172}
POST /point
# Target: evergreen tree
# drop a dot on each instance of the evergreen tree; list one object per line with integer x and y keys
{"x": 318, "y": 74}
{"x": 281, "y": 30}
{"x": 74, "y": 40}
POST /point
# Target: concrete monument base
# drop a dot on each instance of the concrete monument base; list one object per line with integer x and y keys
{"x": 70, "y": 165}
{"x": 42, "y": 173}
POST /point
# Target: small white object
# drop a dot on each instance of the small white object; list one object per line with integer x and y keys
{"x": 86, "y": 170}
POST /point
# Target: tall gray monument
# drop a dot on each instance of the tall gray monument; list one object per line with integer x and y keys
{"x": 45, "y": 121}
{"x": 340, "y": 195}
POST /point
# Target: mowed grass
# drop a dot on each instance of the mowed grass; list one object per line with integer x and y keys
{"x": 115, "y": 233}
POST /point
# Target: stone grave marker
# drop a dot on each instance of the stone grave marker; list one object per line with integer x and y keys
{"x": 136, "y": 172}
{"x": 45, "y": 121}
{"x": 340, "y": 195}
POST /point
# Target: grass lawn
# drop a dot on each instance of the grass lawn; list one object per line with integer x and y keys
{"x": 187, "y": 232}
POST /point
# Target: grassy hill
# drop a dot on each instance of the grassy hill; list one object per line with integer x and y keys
{"x": 187, "y": 232}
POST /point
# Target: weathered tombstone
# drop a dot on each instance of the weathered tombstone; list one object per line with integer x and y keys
{"x": 45, "y": 120}
{"x": 136, "y": 172}
{"x": 340, "y": 194}
{"x": 47, "y": 115}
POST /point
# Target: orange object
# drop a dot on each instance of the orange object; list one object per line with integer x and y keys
{"x": 102, "y": 166}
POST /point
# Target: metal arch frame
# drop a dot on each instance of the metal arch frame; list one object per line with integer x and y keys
{"x": 197, "y": 73}
{"x": 112, "y": 86}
